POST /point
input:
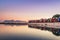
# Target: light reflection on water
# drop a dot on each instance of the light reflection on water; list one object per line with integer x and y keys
{"x": 24, "y": 30}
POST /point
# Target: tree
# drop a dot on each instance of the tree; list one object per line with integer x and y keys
{"x": 56, "y": 16}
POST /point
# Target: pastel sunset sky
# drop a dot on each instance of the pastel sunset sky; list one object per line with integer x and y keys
{"x": 28, "y": 9}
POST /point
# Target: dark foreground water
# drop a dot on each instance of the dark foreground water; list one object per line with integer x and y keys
{"x": 23, "y": 32}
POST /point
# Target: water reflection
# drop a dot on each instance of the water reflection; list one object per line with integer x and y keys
{"x": 23, "y": 31}
{"x": 55, "y": 31}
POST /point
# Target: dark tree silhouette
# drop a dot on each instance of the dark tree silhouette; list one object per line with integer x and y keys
{"x": 56, "y": 16}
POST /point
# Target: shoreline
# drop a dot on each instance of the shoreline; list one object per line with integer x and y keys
{"x": 15, "y": 23}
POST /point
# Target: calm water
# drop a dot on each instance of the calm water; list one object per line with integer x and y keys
{"x": 25, "y": 31}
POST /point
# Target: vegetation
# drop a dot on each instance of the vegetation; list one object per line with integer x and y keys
{"x": 56, "y": 16}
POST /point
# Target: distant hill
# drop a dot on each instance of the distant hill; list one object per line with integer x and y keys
{"x": 13, "y": 22}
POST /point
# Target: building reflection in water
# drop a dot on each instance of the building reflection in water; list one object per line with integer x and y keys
{"x": 55, "y": 31}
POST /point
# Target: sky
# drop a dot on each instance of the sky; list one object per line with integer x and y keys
{"x": 28, "y": 9}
